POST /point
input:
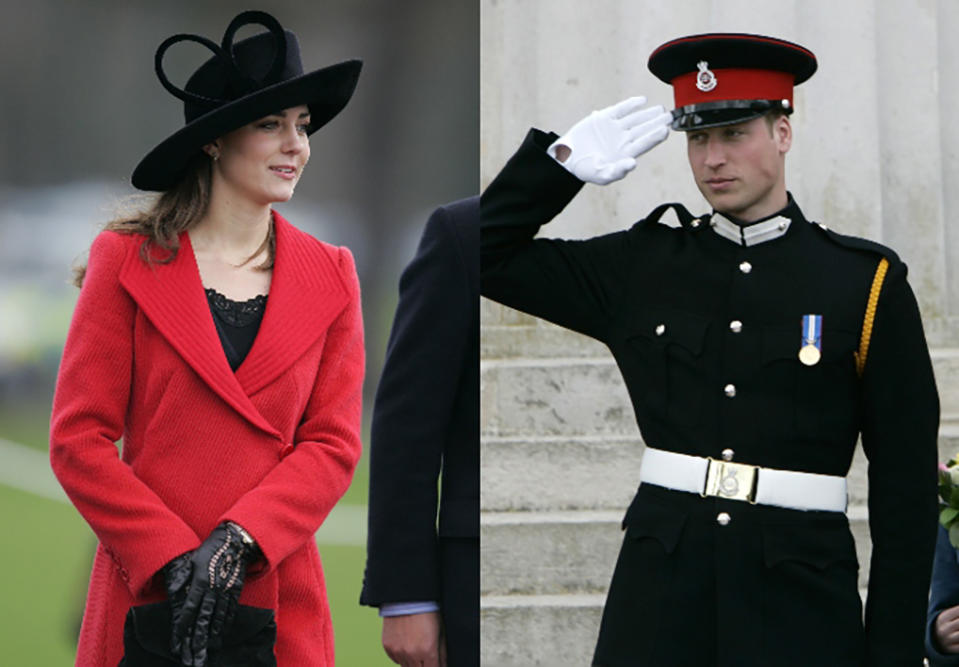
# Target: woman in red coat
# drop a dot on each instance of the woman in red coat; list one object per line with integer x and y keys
{"x": 225, "y": 348}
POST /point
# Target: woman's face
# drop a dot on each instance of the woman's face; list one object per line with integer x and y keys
{"x": 263, "y": 161}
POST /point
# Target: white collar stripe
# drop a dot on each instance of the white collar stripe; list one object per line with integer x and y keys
{"x": 752, "y": 234}
{"x": 727, "y": 229}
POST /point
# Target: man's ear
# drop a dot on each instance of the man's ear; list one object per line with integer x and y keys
{"x": 783, "y": 134}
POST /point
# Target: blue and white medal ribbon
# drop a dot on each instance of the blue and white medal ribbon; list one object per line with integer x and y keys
{"x": 810, "y": 352}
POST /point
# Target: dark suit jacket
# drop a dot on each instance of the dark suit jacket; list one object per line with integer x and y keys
{"x": 943, "y": 593}
{"x": 426, "y": 418}
{"x": 774, "y": 586}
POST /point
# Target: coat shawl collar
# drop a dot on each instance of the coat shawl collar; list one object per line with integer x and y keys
{"x": 306, "y": 294}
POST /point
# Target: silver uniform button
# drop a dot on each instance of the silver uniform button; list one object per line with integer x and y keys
{"x": 735, "y": 326}
{"x": 660, "y": 329}
{"x": 695, "y": 223}
{"x": 745, "y": 267}
{"x": 782, "y": 226}
{"x": 723, "y": 519}
{"x": 728, "y": 454}
{"x": 730, "y": 390}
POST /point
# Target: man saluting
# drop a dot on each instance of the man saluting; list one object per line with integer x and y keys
{"x": 756, "y": 347}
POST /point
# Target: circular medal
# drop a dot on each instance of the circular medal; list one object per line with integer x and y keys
{"x": 809, "y": 355}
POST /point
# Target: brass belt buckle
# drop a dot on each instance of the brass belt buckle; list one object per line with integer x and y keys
{"x": 736, "y": 481}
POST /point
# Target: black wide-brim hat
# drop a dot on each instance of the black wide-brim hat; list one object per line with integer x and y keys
{"x": 726, "y": 78}
{"x": 241, "y": 83}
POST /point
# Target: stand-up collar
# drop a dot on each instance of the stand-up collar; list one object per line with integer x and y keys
{"x": 760, "y": 231}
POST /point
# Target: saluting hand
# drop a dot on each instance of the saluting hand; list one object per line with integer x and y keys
{"x": 603, "y": 147}
{"x": 947, "y": 630}
{"x": 218, "y": 570}
{"x": 414, "y": 640}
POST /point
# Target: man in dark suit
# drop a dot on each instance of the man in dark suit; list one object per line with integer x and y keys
{"x": 756, "y": 347}
{"x": 424, "y": 575}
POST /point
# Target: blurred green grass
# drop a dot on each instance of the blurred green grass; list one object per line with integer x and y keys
{"x": 26, "y": 422}
{"x": 48, "y": 550}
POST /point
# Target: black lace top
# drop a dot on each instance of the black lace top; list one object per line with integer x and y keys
{"x": 237, "y": 323}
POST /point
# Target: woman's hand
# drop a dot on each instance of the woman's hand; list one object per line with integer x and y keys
{"x": 218, "y": 570}
{"x": 176, "y": 576}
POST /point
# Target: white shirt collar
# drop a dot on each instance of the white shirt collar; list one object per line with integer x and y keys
{"x": 760, "y": 232}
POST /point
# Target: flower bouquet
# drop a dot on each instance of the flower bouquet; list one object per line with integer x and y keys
{"x": 949, "y": 498}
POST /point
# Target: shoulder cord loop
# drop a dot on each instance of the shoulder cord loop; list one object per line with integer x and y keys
{"x": 870, "y": 316}
{"x": 685, "y": 217}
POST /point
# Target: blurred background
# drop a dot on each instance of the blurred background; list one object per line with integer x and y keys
{"x": 80, "y": 106}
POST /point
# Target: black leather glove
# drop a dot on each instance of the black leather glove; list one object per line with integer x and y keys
{"x": 176, "y": 576}
{"x": 219, "y": 568}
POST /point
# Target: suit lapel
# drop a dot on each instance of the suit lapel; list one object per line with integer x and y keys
{"x": 171, "y": 296}
{"x": 306, "y": 294}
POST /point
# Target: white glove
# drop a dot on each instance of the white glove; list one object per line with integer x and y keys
{"x": 604, "y": 145}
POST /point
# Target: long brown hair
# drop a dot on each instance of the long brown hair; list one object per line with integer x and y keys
{"x": 173, "y": 212}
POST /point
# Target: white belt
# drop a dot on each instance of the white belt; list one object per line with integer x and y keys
{"x": 739, "y": 481}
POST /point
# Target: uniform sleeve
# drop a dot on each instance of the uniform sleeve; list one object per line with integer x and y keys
{"x": 133, "y": 524}
{"x": 943, "y": 593}
{"x": 570, "y": 283}
{"x": 411, "y": 418}
{"x": 900, "y": 421}
{"x": 290, "y": 503}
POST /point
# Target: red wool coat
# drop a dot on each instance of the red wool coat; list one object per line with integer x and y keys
{"x": 271, "y": 447}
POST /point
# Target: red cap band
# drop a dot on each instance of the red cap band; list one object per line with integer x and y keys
{"x": 734, "y": 84}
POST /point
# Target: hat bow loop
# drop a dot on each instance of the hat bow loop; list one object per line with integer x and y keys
{"x": 239, "y": 82}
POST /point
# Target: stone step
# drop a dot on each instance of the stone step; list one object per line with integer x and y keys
{"x": 596, "y": 472}
{"x": 532, "y": 340}
{"x": 948, "y": 437}
{"x": 559, "y": 473}
{"x": 539, "y": 630}
{"x": 548, "y": 552}
{"x": 945, "y": 364}
{"x": 586, "y": 396}
{"x": 552, "y": 553}
{"x": 554, "y": 397}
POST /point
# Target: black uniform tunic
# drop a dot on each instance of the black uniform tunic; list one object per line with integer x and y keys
{"x": 706, "y": 332}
